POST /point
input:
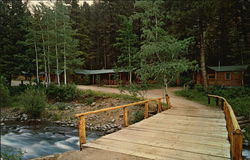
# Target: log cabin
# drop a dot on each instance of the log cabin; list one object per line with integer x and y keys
{"x": 101, "y": 77}
{"x": 223, "y": 75}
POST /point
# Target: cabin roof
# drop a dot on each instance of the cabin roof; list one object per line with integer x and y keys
{"x": 91, "y": 72}
{"x": 229, "y": 68}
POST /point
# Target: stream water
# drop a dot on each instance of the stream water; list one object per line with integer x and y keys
{"x": 39, "y": 140}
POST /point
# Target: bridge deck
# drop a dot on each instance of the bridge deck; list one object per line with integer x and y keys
{"x": 186, "y": 131}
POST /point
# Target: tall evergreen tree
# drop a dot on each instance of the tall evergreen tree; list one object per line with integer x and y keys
{"x": 126, "y": 43}
{"x": 12, "y": 30}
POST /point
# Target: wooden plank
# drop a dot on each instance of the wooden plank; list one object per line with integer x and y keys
{"x": 186, "y": 122}
{"x": 223, "y": 135}
{"x": 222, "y": 151}
{"x": 188, "y": 140}
{"x": 195, "y": 115}
{"x": 194, "y": 112}
{"x": 174, "y": 117}
{"x": 148, "y": 151}
{"x": 189, "y": 127}
{"x": 179, "y": 136}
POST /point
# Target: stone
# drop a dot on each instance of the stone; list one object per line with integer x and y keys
{"x": 93, "y": 103}
{"x": 113, "y": 120}
{"x": 2, "y": 124}
{"x": 58, "y": 122}
{"x": 119, "y": 127}
{"x": 110, "y": 131}
{"x": 121, "y": 115}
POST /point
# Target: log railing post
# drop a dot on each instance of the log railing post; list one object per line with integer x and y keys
{"x": 168, "y": 101}
{"x": 82, "y": 131}
{"x": 159, "y": 105}
{"x": 208, "y": 99}
{"x": 125, "y": 116}
{"x": 146, "y": 110}
{"x": 237, "y": 145}
{"x": 217, "y": 101}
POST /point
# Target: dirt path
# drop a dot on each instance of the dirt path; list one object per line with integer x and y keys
{"x": 153, "y": 93}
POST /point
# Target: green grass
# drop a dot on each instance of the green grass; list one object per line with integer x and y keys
{"x": 195, "y": 95}
{"x": 90, "y": 93}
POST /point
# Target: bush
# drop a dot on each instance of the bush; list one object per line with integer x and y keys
{"x": 33, "y": 102}
{"x": 4, "y": 95}
{"x": 138, "y": 116}
{"x": 63, "y": 93}
{"x": 8, "y": 153}
{"x": 241, "y": 105}
{"x": 247, "y": 133}
{"x": 17, "y": 90}
{"x": 89, "y": 100}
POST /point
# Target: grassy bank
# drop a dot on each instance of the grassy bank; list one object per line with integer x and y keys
{"x": 36, "y": 99}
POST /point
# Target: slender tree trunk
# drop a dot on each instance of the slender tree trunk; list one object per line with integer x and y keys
{"x": 48, "y": 58}
{"x": 64, "y": 58}
{"x": 45, "y": 62}
{"x": 203, "y": 63}
{"x": 57, "y": 67}
{"x": 64, "y": 65}
{"x": 129, "y": 61}
{"x": 156, "y": 35}
{"x": 57, "y": 59}
{"x": 37, "y": 65}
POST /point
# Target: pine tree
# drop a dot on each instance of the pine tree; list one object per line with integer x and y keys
{"x": 12, "y": 30}
{"x": 126, "y": 43}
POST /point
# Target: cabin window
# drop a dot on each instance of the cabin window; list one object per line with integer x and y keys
{"x": 211, "y": 76}
{"x": 228, "y": 76}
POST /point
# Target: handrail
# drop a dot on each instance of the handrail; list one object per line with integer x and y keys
{"x": 234, "y": 132}
{"x": 116, "y": 107}
{"x": 81, "y": 116}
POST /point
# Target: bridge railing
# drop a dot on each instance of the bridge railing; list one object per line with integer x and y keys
{"x": 82, "y": 116}
{"x": 234, "y": 132}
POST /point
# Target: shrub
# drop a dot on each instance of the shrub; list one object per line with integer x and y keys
{"x": 8, "y": 153}
{"x": 247, "y": 133}
{"x": 63, "y": 93}
{"x": 33, "y": 102}
{"x": 138, "y": 116}
{"x": 89, "y": 100}
{"x": 241, "y": 105}
{"x": 4, "y": 95}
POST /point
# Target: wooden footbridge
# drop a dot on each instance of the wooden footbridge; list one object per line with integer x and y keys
{"x": 185, "y": 130}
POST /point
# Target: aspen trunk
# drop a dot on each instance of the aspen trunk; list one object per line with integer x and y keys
{"x": 45, "y": 62}
{"x": 203, "y": 63}
{"x": 49, "y": 75}
{"x": 64, "y": 66}
{"x": 129, "y": 62}
{"x": 57, "y": 67}
{"x": 48, "y": 58}
{"x": 64, "y": 59}
{"x": 57, "y": 61}
{"x": 37, "y": 65}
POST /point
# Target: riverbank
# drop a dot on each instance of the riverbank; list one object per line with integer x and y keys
{"x": 56, "y": 120}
